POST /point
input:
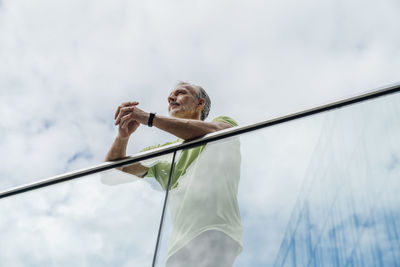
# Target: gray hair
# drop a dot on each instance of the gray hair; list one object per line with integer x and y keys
{"x": 200, "y": 93}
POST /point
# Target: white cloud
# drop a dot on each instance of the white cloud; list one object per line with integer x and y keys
{"x": 65, "y": 66}
{"x": 72, "y": 62}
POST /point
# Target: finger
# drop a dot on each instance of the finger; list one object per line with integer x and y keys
{"x": 124, "y": 111}
{"x": 124, "y": 125}
{"x": 124, "y": 118}
{"x": 119, "y": 109}
{"x": 117, "y": 112}
{"x": 126, "y": 104}
{"x": 129, "y": 103}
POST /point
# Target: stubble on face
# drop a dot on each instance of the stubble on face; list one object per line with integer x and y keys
{"x": 182, "y": 102}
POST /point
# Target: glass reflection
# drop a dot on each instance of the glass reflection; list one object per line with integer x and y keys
{"x": 347, "y": 212}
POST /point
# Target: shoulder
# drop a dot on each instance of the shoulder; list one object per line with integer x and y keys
{"x": 159, "y": 145}
{"x": 226, "y": 119}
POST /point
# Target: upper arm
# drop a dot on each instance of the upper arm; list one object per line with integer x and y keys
{"x": 224, "y": 122}
{"x": 221, "y": 125}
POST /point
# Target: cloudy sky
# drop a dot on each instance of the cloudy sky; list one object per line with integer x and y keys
{"x": 66, "y": 65}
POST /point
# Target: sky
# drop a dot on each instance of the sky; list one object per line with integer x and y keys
{"x": 65, "y": 66}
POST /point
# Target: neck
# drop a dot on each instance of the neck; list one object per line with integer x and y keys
{"x": 193, "y": 116}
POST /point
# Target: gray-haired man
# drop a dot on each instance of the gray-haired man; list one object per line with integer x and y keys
{"x": 203, "y": 199}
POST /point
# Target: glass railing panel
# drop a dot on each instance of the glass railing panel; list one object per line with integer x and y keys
{"x": 106, "y": 219}
{"x": 203, "y": 196}
{"x": 319, "y": 191}
{"x": 347, "y": 212}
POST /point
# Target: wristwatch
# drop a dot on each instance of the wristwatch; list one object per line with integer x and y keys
{"x": 151, "y": 118}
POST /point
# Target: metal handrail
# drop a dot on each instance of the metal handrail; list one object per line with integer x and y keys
{"x": 234, "y": 131}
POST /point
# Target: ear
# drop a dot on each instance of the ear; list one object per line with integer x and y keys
{"x": 201, "y": 103}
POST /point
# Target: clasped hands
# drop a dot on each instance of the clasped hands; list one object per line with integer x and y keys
{"x": 129, "y": 117}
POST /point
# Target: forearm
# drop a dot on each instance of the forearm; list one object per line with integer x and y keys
{"x": 186, "y": 128}
{"x": 135, "y": 169}
{"x": 118, "y": 149}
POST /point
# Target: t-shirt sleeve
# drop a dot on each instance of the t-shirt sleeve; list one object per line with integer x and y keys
{"x": 150, "y": 148}
{"x": 159, "y": 169}
{"x": 227, "y": 120}
{"x": 160, "y": 172}
{"x": 151, "y": 171}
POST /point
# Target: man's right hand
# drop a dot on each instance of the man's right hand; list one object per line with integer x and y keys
{"x": 123, "y": 115}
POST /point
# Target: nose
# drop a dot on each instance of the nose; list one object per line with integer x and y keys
{"x": 171, "y": 99}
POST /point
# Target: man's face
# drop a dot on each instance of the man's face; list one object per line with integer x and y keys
{"x": 182, "y": 102}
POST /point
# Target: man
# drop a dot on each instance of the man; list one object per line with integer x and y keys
{"x": 204, "y": 210}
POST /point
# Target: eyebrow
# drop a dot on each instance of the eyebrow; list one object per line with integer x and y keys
{"x": 181, "y": 89}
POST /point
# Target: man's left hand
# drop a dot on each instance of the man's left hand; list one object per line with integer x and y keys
{"x": 135, "y": 114}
